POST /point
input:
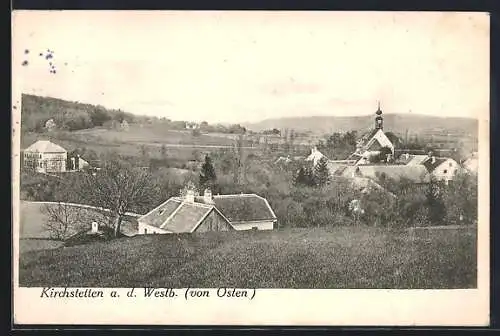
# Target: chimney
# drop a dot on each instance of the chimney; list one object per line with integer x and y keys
{"x": 189, "y": 196}
{"x": 207, "y": 196}
{"x": 95, "y": 227}
{"x": 433, "y": 159}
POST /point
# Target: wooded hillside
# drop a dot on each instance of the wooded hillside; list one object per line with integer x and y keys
{"x": 36, "y": 111}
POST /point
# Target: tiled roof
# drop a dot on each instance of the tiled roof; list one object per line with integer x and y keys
{"x": 159, "y": 215}
{"x": 186, "y": 217}
{"x": 430, "y": 166}
{"x": 367, "y": 137}
{"x": 45, "y": 146}
{"x": 417, "y": 173}
{"x": 417, "y": 159}
{"x": 177, "y": 216}
{"x": 244, "y": 207}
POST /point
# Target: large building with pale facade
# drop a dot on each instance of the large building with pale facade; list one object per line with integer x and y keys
{"x": 46, "y": 157}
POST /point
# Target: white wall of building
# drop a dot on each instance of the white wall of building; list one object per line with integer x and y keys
{"x": 148, "y": 229}
{"x": 261, "y": 225}
{"x": 446, "y": 170}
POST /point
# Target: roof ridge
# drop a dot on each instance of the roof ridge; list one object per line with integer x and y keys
{"x": 236, "y": 195}
{"x": 171, "y": 215}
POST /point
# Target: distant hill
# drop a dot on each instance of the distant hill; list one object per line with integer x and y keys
{"x": 397, "y": 123}
{"x": 67, "y": 115}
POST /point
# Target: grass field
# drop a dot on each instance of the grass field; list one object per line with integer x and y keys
{"x": 181, "y": 146}
{"x": 344, "y": 257}
{"x": 129, "y": 142}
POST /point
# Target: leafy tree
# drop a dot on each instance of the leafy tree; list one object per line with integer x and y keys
{"x": 321, "y": 172}
{"x": 304, "y": 177}
{"x": 434, "y": 202}
{"x": 119, "y": 116}
{"x": 99, "y": 116}
{"x": 460, "y": 199}
{"x": 207, "y": 174}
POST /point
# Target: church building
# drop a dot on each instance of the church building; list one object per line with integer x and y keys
{"x": 371, "y": 143}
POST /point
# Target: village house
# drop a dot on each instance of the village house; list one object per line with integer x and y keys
{"x": 441, "y": 168}
{"x": 46, "y": 157}
{"x": 76, "y": 163}
{"x": 193, "y": 213}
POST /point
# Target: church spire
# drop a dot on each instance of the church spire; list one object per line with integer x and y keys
{"x": 379, "y": 120}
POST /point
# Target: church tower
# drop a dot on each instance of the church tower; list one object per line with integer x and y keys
{"x": 379, "y": 121}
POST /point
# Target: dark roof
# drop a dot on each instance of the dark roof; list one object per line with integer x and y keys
{"x": 244, "y": 207}
{"x": 367, "y": 137}
{"x": 159, "y": 215}
{"x": 176, "y": 216}
{"x": 430, "y": 166}
{"x": 186, "y": 217}
{"x": 416, "y": 173}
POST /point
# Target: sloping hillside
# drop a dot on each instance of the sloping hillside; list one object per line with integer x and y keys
{"x": 397, "y": 123}
{"x": 343, "y": 257}
{"x": 36, "y": 111}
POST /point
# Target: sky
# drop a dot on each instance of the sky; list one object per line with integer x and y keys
{"x": 248, "y": 66}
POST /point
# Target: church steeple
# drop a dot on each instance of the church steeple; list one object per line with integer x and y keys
{"x": 379, "y": 121}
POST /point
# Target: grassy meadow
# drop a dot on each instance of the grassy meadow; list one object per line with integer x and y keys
{"x": 180, "y": 144}
{"x": 340, "y": 257}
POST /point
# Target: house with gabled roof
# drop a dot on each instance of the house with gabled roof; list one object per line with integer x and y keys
{"x": 246, "y": 211}
{"x": 183, "y": 215}
{"x": 193, "y": 213}
{"x": 45, "y": 156}
{"x": 441, "y": 168}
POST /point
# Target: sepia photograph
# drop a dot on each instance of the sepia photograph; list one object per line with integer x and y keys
{"x": 250, "y": 151}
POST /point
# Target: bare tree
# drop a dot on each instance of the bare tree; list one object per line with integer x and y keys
{"x": 119, "y": 187}
{"x": 62, "y": 220}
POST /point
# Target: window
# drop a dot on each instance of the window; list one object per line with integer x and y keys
{"x": 161, "y": 211}
{"x": 451, "y": 164}
{"x": 145, "y": 231}
{"x": 445, "y": 171}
